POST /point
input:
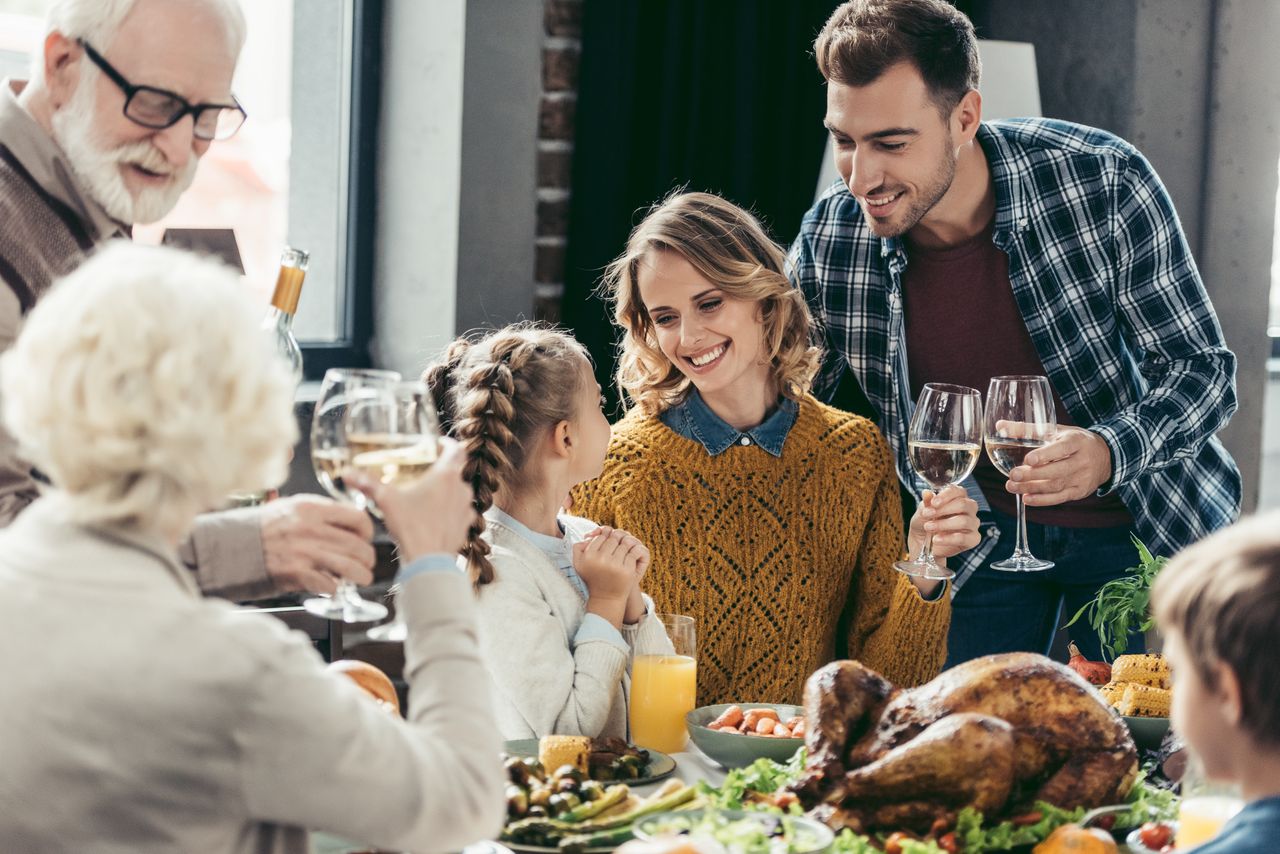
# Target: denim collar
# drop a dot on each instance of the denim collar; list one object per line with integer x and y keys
{"x": 693, "y": 419}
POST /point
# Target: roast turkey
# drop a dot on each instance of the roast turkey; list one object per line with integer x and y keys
{"x": 996, "y": 733}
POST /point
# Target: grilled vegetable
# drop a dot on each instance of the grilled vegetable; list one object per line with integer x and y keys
{"x": 1113, "y": 693}
{"x": 1143, "y": 701}
{"x": 580, "y": 842}
{"x": 612, "y": 797}
{"x": 517, "y": 802}
{"x": 1094, "y": 672}
{"x": 1150, "y": 670}
{"x": 555, "y": 751}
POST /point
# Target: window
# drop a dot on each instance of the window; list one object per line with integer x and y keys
{"x": 299, "y": 168}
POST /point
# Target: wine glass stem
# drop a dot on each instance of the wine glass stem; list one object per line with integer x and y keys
{"x": 926, "y": 550}
{"x": 1020, "y": 549}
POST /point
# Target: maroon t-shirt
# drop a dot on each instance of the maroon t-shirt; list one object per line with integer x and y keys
{"x": 963, "y": 327}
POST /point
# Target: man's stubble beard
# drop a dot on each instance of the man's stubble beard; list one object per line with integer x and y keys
{"x": 930, "y": 195}
{"x": 99, "y": 168}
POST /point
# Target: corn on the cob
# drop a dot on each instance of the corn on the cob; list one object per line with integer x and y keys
{"x": 1150, "y": 670}
{"x": 1112, "y": 692}
{"x": 1143, "y": 701}
{"x": 555, "y": 751}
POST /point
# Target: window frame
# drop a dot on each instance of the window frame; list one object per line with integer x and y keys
{"x": 351, "y": 347}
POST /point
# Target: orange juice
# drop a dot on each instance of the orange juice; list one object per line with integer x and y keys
{"x": 1200, "y": 817}
{"x": 662, "y": 693}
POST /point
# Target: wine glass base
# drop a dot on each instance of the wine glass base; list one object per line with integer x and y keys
{"x": 1023, "y": 564}
{"x": 924, "y": 569}
{"x": 395, "y": 631}
{"x": 347, "y": 610}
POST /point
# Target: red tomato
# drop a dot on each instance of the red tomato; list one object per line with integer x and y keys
{"x": 1155, "y": 836}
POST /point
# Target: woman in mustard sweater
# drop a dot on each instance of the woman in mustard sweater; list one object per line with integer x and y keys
{"x": 773, "y": 519}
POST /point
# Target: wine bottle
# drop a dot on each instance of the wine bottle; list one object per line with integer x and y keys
{"x": 278, "y": 324}
{"x": 284, "y": 304}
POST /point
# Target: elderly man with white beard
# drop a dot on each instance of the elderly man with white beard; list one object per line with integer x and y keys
{"x": 125, "y": 97}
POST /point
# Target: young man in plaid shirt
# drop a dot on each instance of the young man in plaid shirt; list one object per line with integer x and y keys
{"x": 954, "y": 250}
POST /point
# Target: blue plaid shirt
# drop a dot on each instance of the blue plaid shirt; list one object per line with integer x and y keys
{"x": 1111, "y": 298}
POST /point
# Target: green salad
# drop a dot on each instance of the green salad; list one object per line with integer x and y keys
{"x": 1146, "y": 802}
{"x": 742, "y": 832}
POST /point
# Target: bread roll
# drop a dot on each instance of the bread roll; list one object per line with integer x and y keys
{"x": 371, "y": 679}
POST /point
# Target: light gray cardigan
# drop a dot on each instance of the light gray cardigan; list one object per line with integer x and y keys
{"x": 542, "y": 683}
{"x": 138, "y": 716}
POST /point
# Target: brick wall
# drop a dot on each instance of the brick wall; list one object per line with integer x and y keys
{"x": 561, "y": 50}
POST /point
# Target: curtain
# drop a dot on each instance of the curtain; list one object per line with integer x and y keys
{"x": 714, "y": 95}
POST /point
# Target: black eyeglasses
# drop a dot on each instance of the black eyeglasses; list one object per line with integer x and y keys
{"x": 159, "y": 108}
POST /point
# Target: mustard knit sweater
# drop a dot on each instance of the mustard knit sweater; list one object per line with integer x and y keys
{"x": 785, "y": 563}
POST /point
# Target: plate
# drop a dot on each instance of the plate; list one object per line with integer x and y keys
{"x": 735, "y": 750}
{"x": 542, "y": 849}
{"x": 661, "y": 766}
{"x": 667, "y": 824}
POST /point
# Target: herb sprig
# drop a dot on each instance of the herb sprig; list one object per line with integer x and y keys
{"x": 1123, "y": 604}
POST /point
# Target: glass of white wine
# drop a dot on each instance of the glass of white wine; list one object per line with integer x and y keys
{"x": 1020, "y": 417}
{"x": 393, "y": 441}
{"x": 944, "y": 441}
{"x": 330, "y": 456}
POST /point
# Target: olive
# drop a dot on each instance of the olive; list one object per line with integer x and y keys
{"x": 534, "y": 767}
{"x": 567, "y": 784}
{"x": 517, "y": 802}
{"x": 570, "y": 771}
{"x": 539, "y": 795}
{"x": 517, "y": 772}
{"x": 591, "y": 790}
{"x": 536, "y": 811}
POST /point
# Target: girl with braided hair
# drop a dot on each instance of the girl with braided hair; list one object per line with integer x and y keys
{"x": 561, "y": 612}
{"x": 774, "y": 519}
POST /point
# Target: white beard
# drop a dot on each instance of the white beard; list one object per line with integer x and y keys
{"x": 98, "y": 168}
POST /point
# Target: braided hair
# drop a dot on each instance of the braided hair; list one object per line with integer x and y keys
{"x": 497, "y": 395}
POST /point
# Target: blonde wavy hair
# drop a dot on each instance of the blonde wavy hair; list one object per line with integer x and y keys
{"x": 498, "y": 394}
{"x": 143, "y": 388}
{"x": 730, "y": 249}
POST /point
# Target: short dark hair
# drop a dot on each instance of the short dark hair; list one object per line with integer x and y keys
{"x": 1222, "y": 596}
{"x": 864, "y": 38}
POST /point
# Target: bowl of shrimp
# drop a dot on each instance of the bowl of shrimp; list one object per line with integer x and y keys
{"x": 737, "y": 734}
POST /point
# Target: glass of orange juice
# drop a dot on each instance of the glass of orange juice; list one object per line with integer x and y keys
{"x": 1206, "y": 806}
{"x": 663, "y": 688}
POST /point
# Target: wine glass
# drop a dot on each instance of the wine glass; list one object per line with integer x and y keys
{"x": 1019, "y": 418}
{"x": 330, "y": 456}
{"x": 944, "y": 441}
{"x": 407, "y": 435}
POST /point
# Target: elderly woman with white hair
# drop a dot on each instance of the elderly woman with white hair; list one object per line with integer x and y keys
{"x": 138, "y": 716}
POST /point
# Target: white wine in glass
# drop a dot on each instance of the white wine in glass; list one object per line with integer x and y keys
{"x": 1019, "y": 418}
{"x": 399, "y": 444}
{"x": 330, "y": 456}
{"x": 943, "y": 442}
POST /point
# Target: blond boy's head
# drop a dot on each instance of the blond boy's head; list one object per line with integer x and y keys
{"x": 1218, "y": 605}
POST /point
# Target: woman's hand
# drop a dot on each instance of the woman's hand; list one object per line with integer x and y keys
{"x": 431, "y": 515}
{"x": 950, "y": 517}
{"x": 610, "y": 563}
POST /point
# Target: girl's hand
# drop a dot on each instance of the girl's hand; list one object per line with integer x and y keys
{"x": 950, "y": 517}
{"x": 607, "y": 561}
{"x": 635, "y": 602}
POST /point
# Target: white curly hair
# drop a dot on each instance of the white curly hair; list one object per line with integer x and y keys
{"x": 142, "y": 385}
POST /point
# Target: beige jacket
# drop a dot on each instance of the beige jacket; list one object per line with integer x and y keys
{"x": 545, "y": 682}
{"x": 48, "y": 223}
{"x": 137, "y": 716}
